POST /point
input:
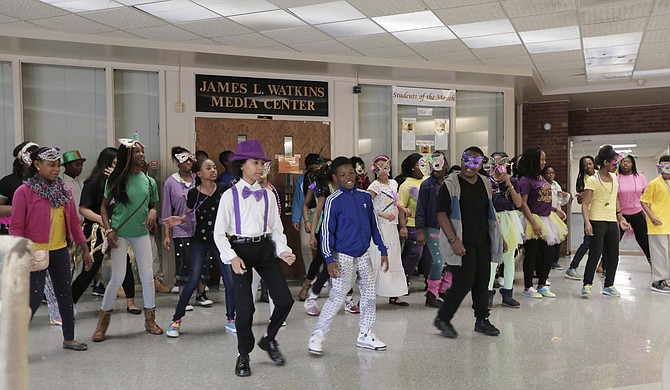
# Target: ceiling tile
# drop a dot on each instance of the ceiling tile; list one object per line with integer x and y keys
{"x": 453, "y": 57}
{"x": 72, "y": 23}
{"x": 77, "y": 6}
{"x": 204, "y": 41}
{"x": 331, "y": 46}
{"x": 563, "y": 73}
{"x": 656, "y": 36}
{"x": 270, "y": 20}
{"x": 425, "y": 35}
{"x": 7, "y": 19}
{"x": 351, "y": 28}
{"x": 661, "y": 8}
{"x": 471, "y": 14}
{"x": 371, "y": 41}
{"x": 280, "y": 48}
{"x": 372, "y": 8}
{"x": 572, "y": 81}
{"x": 653, "y": 61}
{"x": 30, "y": 9}
{"x": 558, "y": 66}
{"x": 165, "y": 33}
{"x": 238, "y": 7}
{"x": 251, "y": 41}
{"x": 175, "y": 11}
{"x": 659, "y": 22}
{"x": 294, "y": 3}
{"x": 519, "y": 8}
{"x": 624, "y": 26}
{"x": 451, "y": 45}
{"x": 647, "y": 48}
{"x": 297, "y": 35}
{"x": 124, "y": 18}
{"x": 540, "y": 22}
{"x": 440, "y": 4}
{"x": 215, "y": 28}
{"x": 509, "y": 39}
{"x": 388, "y": 52}
{"x": 408, "y": 21}
{"x": 335, "y": 11}
{"x": 24, "y": 25}
{"x": 118, "y": 34}
{"x": 509, "y": 61}
{"x": 502, "y": 51}
{"x": 565, "y": 56}
{"x": 615, "y": 12}
{"x": 349, "y": 53}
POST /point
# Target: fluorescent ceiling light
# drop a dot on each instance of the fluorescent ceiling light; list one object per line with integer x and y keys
{"x": 613, "y": 51}
{"x": 337, "y": 11}
{"x": 623, "y": 150}
{"x": 175, "y": 11}
{"x": 228, "y": 8}
{"x": 492, "y": 41}
{"x": 491, "y": 27}
{"x": 616, "y": 60}
{"x": 270, "y": 20}
{"x": 626, "y": 69}
{"x": 551, "y": 34}
{"x": 135, "y": 2}
{"x": 613, "y": 40}
{"x": 83, "y": 5}
{"x": 425, "y": 35}
{"x": 350, "y": 28}
{"x": 617, "y": 147}
{"x": 409, "y": 21}
{"x": 554, "y": 46}
{"x": 651, "y": 73}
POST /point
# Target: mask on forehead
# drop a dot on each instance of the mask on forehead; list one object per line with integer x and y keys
{"x": 386, "y": 167}
{"x": 436, "y": 163}
{"x": 360, "y": 169}
{"x": 472, "y": 162}
{"x": 266, "y": 169}
{"x": 184, "y": 156}
{"x": 424, "y": 165}
{"x": 663, "y": 167}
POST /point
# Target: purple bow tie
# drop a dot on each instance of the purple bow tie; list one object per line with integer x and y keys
{"x": 258, "y": 194}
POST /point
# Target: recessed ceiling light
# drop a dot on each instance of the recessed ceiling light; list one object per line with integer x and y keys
{"x": 337, "y": 11}
{"x": 491, "y": 27}
{"x": 425, "y": 35}
{"x": 175, "y": 11}
{"x": 492, "y": 41}
{"x": 554, "y": 46}
{"x": 228, "y": 8}
{"x": 612, "y": 40}
{"x": 409, "y": 21}
{"x": 83, "y": 5}
{"x": 350, "y": 28}
{"x": 611, "y": 60}
{"x": 551, "y": 34}
{"x": 270, "y": 20}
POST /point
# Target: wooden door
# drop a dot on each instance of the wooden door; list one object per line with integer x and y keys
{"x": 214, "y": 135}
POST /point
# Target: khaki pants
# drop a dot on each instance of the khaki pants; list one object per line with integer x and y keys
{"x": 659, "y": 246}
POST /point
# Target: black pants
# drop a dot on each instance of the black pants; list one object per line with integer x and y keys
{"x": 556, "y": 253}
{"x": 317, "y": 260}
{"x": 538, "y": 259}
{"x": 605, "y": 235}
{"x": 638, "y": 223}
{"x": 472, "y": 276}
{"x": 59, "y": 270}
{"x": 261, "y": 257}
{"x": 81, "y": 283}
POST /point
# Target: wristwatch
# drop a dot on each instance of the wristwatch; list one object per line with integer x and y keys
{"x": 451, "y": 240}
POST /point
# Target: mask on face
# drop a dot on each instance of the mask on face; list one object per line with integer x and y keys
{"x": 663, "y": 167}
{"x": 360, "y": 169}
{"x": 499, "y": 166}
{"x": 184, "y": 156}
{"x": 266, "y": 169}
{"x": 436, "y": 162}
{"x": 386, "y": 167}
{"x": 472, "y": 162}
{"x": 424, "y": 166}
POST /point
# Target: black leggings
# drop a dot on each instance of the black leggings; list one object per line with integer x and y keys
{"x": 81, "y": 283}
{"x": 638, "y": 223}
{"x": 605, "y": 235}
{"x": 538, "y": 259}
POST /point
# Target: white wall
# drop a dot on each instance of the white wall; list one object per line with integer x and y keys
{"x": 7, "y": 143}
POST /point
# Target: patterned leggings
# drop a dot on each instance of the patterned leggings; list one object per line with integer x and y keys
{"x": 342, "y": 284}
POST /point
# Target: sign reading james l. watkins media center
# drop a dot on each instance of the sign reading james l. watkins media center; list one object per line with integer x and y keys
{"x": 261, "y": 96}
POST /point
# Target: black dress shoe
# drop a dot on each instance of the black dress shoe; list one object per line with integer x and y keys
{"x": 272, "y": 349}
{"x": 133, "y": 311}
{"x": 445, "y": 328}
{"x": 242, "y": 366}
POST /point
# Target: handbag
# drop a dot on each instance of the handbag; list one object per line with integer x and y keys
{"x": 40, "y": 260}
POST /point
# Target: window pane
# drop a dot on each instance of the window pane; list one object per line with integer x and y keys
{"x": 424, "y": 127}
{"x": 7, "y": 141}
{"x": 375, "y": 129}
{"x": 65, "y": 107}
{"x": 479, "y": 121}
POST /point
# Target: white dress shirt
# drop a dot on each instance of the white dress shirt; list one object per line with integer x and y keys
{"x": 252, "y": 215}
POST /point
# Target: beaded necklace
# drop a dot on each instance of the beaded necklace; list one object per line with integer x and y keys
{"x": 605, "y": 189}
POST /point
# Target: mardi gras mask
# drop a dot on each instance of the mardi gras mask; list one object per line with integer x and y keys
{"x": 266, "y": 169}
{"x": 499, "y": 166}
{"x": 386, "y": 167}
{"x": 424, "y": 166}
{"x": 184, "y": 156}
{"x": 50, "y": 154}
{"x": 24, "y": 154}
{"x": 436, "y": 162}
{"x": 360, "y": 169}
{"x": 131, "y": 142}
{"x": 663, "y": 167}
{"x": 472, "y": 162}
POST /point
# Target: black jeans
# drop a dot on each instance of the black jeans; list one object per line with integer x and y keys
{"x": 638, "y": 223}
{"x": 261, "y": 257}
{"x": 472, "y": 276}
{"x": 538, "y": 259}
{"x": 605, "y": 237}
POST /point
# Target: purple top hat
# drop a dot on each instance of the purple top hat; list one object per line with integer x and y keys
{"x": 249, "y": 149}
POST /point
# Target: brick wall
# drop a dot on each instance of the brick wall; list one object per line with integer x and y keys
{"x": 642, "y": 119}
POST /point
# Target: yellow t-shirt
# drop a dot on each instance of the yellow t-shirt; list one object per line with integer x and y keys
{"x": 603, "y": 201}
{"x": 408, "y": 194}
{"x": 58, "y": 232}
{"x": 657, "y": 195}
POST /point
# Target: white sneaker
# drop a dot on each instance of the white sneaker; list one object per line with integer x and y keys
{"x": 174, "y": 290}
{"x": 315, "y": 345}
{"x": 222, "y": 286}
{"x": 206, "y": 288}
{"x": 370, "y": 341}
{"x": 189, "y": 308}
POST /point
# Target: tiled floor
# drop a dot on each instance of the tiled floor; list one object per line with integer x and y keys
{"x": 562, "y": 343}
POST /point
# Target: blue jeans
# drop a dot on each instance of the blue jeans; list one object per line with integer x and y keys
{"x": 199, "y": 253}
{"x": 581, "y": 251}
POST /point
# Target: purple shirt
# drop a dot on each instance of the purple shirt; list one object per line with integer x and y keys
{"x": 539, "y": 195}
{"x": 502, "y": 201}
{"x": 175, "y": 191}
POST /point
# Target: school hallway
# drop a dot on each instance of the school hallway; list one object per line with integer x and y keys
{"x": 562, "y": 343}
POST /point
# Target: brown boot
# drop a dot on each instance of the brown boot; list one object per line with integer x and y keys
{"x": 160, "y": 287}
{"x": 103, "y": 323}
{"x": 150, "y": 321}
{"x": 304, "y": 291}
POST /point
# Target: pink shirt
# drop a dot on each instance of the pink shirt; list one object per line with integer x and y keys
{"x": 631, "y": 188}
{"x": 31, "y": 217}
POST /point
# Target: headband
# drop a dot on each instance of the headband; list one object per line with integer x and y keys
{"x": 184, "y": 156}
{"x": 131, "y": 142}
{"x": 49, "y": 154}
{"x": 24, "y": 155}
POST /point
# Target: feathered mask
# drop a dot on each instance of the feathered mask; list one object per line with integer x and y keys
{"x": 131, "y": 142}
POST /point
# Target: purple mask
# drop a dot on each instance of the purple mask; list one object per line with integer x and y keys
{"x": 663, "y": 167}
{"x": 472, "y": 162}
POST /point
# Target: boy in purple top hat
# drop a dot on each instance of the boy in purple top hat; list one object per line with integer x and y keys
{"x": 249, "y": 233}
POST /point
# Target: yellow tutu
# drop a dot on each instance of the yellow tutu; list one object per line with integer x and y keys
{"x": 554, "y": 231}
{"x": 511, "y": 227}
